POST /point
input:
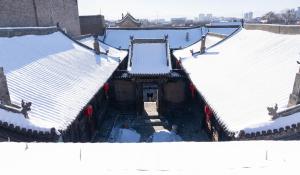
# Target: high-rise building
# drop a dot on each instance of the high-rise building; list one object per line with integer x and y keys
{"x": 209, "y": 16}
{"x": 248, "y": 16}
{"x": 201, "y": 17}
{"x": 298, "y": 12}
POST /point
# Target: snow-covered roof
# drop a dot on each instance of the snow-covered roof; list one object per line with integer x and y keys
{"x": 112, "y": 52}
{"x": 178, "y": 37}
{"x": 147, "y": 57}
{"x": 242, "y": 76}
{"x": 56, "y": 74}
{"x": 118, "y": 37}
{"x": 209, "y": 41}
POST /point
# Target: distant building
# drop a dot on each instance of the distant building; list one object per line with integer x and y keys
{"x": 298, "y": 13}
{"x": 128, "y": 21}
{"x": 209, "y": 16}
{"x": 205, "y": 17}
{"x": 34, "y": 13}
{"x": 248, "y": 16}
{"x": 178, "y": 21}
{"x": 92, "y": 24}
{"x": 201, "y": 17}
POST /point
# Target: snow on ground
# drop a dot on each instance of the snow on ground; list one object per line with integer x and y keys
{"x": 57, "y": 75}
{"x": 150, "y": 58}
{"x": 165, "y": 136}
{"x": 177, "y": 37}
{"x": 244, "y": 75}
{"x": 226, "y": 158}
{"x": 120, "y": 135}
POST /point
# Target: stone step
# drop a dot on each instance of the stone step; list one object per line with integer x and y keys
{"x": 152, "y": 122}
{"x": 158, "y": 128}
{"x": 150, "y": 109}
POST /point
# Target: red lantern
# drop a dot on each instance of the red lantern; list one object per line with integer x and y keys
{"x": 106, "y": 87}
{"x": 88, "y": 112}
{"x": 192, "y": 89}
{"x": 208, "y": 113}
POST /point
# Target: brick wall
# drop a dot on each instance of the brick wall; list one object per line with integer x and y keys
{"x": 11, "y": 32}
{"x": 283, "y": 133}
{"x": 92, "y": 24}
{"x": 33, "y": 13}
{"x": 4, "y": 94}
{"x": 280, "y": 29}
{"x": 174, "y": 92}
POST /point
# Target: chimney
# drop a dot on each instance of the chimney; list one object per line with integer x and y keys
{"x": 96, "y": 46}
{"x": 122, "y": 16}
{"x": 295, "y": 96}
{"x": 202, "y": 49}
{"x": 187, "y": 36}
{"x": 4, "y": 94}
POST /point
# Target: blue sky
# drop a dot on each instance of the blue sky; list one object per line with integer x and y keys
{"x": 152, "y": 9}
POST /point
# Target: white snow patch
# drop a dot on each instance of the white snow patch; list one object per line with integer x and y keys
{"x": 231, "y": 158}
{"x": 121, "y": 135}
{"x": 165, "y": 136}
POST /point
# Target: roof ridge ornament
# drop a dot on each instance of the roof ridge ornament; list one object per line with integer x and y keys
{"x": 26, "y": 106}
{"x": 203, "y": 48}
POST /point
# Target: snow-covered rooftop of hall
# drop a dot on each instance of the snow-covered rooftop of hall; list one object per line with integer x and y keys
{"x": 246, "y": 73}
{"x": 149, "y": 57}
{"x": 178, "y": 37}
{"x": 119, "y": 37}
{"x": 56, "y": 74}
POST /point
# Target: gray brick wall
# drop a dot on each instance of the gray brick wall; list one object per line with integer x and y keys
{"x": 4, "y": 94}
{"x": 92, "y": 24}
{"x": 274, "y": 28}
{"x": 43, "y": 13}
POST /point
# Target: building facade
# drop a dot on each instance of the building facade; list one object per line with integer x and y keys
{"x": 38, "y": 13}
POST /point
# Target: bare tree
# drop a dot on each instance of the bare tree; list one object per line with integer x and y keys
{"x": 272, "y": 18}
{"x": 289, "y": 16}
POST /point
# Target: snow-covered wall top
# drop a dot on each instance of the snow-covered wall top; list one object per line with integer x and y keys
{"x": 57, "y": 75}
{"x": 117, "y": 37}
{"x": 242, "y": 76}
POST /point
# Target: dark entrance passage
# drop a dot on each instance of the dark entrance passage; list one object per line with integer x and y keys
{"x": 161, "y": 104}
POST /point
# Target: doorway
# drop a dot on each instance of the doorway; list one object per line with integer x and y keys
{"x": 150, "y": 99}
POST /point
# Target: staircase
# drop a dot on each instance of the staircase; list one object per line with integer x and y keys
{"x": 152, "y": 117}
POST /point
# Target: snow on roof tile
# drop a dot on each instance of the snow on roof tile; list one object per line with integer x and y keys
{"x": 57, "y": 75}
{"x": 149, "y": 58}
{"x": 117, "y": 37}
{"x": 245, "y": 74}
